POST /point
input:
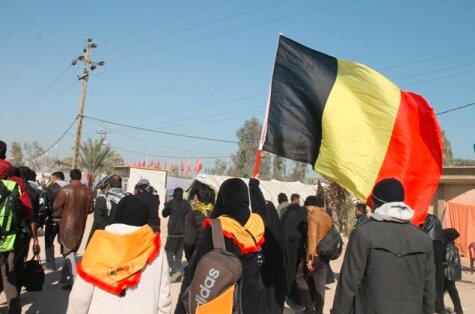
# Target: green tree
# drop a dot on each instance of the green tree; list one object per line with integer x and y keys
{"x": 33, "y": 150}
{"x": 244, "y": 159}
{"x": 16, "y": 155}
{"x": 447, "y": 156}
{"x": 98, "y": 157}
{"x": 219, "y": 168}
{"x": 299, "y": 171}
{"x": 463, "y": 162}
{"x": 278, "y": 168}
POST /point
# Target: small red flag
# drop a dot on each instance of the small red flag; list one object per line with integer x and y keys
{"x": 188, "y": 169}
{"x": 198, "y": 166}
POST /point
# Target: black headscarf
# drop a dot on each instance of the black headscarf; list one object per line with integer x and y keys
{"x": 132, "y": 211}
{"x": 233, "y": 201}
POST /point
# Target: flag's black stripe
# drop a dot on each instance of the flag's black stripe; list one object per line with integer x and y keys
{"x": 301, "y": 84}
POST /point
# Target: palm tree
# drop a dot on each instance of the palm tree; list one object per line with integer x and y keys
{"x": 98, "y": 157}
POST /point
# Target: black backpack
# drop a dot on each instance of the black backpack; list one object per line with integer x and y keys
{"x": 216, "y": 272}
{"x": 331, "y": 245}
{"x": 43, "y": 209}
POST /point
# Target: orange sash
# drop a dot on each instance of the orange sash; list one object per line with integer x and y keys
{"x": 114, "y": 262}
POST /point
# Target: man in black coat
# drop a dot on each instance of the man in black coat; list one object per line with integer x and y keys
{"x": 389, "y": 263}
{"x": 176, "y": 209}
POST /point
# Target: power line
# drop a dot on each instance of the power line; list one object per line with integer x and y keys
{"x": 234, "y": 30}
{"x": 165, "y": 22}
{"x": 61, "y": 137}
{"x": 153, "y": 143}
{"x": 197, "y": 26}
{"x": 435, "y": 71}
{"x": 169, "y": 123}
{"x": 166, "y": 156}
{"x": 196, "y": 106}
{"x": 40, "y": 95}
{"x": 61, "y": 93}
{"x": 440, "y": 78}
{"x": 455, "y": 109}
{"x": 161, "y": 132}
{"x": 427, "y": 59}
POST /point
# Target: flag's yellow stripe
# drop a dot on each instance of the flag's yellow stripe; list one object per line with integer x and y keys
{"x": 357, "y": 125}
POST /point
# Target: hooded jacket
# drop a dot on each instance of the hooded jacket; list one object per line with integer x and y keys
{"x": 452, "y": 264}
{"x": 388, "y": 266}
{"x": 147, "y": 294}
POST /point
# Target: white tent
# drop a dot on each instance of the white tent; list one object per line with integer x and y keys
{"x": 270, "y": 189}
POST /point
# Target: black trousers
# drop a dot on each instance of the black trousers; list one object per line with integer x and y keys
{"x": 51, "y": 231}
{"x": 311, "y": 285}
{"x": 174, "y": 250}
{"x": 439, "y": 276}
{"x": 449, "y": 286}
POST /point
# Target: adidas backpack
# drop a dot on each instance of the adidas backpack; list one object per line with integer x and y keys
{"x": 214, "y": 284}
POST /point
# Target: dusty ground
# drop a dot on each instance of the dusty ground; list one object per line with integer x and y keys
{"x": 52, "y": 299}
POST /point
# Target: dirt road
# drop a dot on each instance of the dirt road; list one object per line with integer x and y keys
{"x": 53, "y": 300}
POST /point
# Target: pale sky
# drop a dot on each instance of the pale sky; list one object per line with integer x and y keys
{"x": 202, "y": 68}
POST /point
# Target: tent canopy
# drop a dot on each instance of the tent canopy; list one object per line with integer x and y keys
{"x": 460, "y": 214}
{"x": 270, "y": 189}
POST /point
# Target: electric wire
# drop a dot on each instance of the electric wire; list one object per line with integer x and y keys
{"x": 154, "y": 143}
{"x": 164, "y": 22}
{"x": 428, "y": 59}
{"x": 307, "y": 12}
{"x": 167, "y": 156}
{"x": 61, "y": 137}
{"x": 435, "y": 71}
{"x": 40, "y": 95}
{"x": 455, "y": 109}
{"x": 195, "y": 27}
{"x": 440, "y": 78}
{"x": 161, "y": 132}
{"x": 195, "y": 106}
{"x": 185, "y": 121}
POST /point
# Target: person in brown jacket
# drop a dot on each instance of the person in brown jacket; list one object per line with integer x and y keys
{"x": 314, "y": 269}
{"x": 75, "y": 201}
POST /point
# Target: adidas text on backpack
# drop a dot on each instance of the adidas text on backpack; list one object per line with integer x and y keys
{"x": 10, "y": 209}
{"x": 214, "y": 284}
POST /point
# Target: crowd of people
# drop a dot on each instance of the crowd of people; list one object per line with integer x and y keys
{"x": 390, "y": 265}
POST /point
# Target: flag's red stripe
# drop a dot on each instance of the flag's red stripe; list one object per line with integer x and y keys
{"x": 414, "y": 154}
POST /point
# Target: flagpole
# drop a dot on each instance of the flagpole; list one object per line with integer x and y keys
{"x": 257, "y": 164}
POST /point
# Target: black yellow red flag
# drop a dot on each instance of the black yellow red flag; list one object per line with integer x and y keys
{"x": 352, "y": 124}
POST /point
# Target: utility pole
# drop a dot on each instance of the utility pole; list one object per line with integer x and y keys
{"x": 103, "y": 132}
{"x": 88, "y": 66}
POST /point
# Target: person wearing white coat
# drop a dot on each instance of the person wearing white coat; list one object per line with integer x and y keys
{"x": 123, "y": 269}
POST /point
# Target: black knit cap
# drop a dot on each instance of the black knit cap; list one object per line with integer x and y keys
{"x": 132, "y": 211}
{"x": 387, "y": 191}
